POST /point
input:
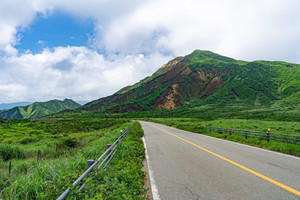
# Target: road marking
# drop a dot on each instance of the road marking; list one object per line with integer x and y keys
{"x": 296, "y": 192}
{"x": 154, "y": 189}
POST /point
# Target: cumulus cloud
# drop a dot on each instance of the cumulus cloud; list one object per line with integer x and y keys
{"x": 76, "y": 72}
{"x": 259, "y": 29}
{"x": 136, "y": 38}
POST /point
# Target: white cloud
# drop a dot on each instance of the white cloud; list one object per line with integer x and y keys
{"x": 84, "y": 74}
{"x": 12, "y": 92}
{"x": 250, "y": 30}
{"x": 136, "y": 36}
{"x": 259, "y": 29}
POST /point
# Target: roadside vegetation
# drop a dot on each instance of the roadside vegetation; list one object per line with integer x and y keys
{"x": 278, "y": 127}
{"x": 46, "y": 157}
{"x": 123, "y": 178}
{"x": 279, "y": 119}
{"x": 202, "y": 111}
{"x": 292, "y": 127}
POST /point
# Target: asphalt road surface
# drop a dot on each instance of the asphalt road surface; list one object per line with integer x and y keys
{"x": 193, "y": 166}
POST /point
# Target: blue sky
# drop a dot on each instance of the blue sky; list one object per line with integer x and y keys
{"x": 88, "y": 49}
{"x": 58, "y": 29}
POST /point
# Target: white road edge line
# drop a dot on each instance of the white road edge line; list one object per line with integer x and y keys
{"x": 154, "y": 189}
{"x": 245, "y": 145}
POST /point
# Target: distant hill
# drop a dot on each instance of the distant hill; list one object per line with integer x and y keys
{"x": 39, "y": 109}
{"x": 205, "y": 78}
{"x": 5, "y": 106}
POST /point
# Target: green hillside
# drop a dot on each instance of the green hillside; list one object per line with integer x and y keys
{"x": 39, "y": 109}
{"x": 203, "y": 78}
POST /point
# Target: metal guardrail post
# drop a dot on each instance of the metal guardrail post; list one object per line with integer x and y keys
{"x": 246, "y": 134}
{"x": 268, "y": 135}
{"x": 107, "y": 146}
{"x": 90, "y": 163}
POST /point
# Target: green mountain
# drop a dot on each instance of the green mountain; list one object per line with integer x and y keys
{"x": 204, "y": 78}
{"x": 39, "y": 109}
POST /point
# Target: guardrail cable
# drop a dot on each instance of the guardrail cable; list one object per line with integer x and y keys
{"x": 109, "y": 153}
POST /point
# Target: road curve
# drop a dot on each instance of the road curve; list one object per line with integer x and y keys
{"x": 193, "y": 166}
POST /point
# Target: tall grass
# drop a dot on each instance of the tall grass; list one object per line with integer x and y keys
{"x": 8, "y": 152}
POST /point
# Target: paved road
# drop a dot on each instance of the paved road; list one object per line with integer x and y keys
{"x": 194, "y": 166}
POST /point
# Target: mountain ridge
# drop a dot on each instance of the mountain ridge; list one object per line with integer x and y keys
{"x": 39, "y": 109}
{"x": 206, "y": 78}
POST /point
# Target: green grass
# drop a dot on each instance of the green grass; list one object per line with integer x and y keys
{"x": 284, "y": 127}
{"x": 21, "y": 140}
{"x": 205, "y": 110}
{"x": 123, "y": 178}
{"x": 51, "y": 176}
{"x": 280, "y": 127}
{"x": 8, "y": 152}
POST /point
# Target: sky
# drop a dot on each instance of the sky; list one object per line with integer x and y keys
{"x": 88, "y": 49}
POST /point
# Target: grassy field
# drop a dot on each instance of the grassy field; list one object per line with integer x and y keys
{"x": 257, "y": 125}
{"x": 46, "y": 157}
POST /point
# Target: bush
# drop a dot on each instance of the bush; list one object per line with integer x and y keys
{"x": 195, "y": 129}
{"x": 27, "y": 140}
{"x": 69, "y": 142}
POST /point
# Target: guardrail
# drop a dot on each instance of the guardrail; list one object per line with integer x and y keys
{"x": 293, "y": 139}
{"x": 105, "y": 158}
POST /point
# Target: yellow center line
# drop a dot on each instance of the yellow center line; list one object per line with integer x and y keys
{"x": 238, "y": 165}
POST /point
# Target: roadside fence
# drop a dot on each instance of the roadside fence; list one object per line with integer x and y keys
{"x": 293, "y": 139}
{"x": 105, "y": 158}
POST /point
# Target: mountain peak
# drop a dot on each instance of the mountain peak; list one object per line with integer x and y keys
{"x": 204, "y": 54}
{"x": 206, "y": 78}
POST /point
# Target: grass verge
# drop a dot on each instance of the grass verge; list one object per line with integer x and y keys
{"x": 122, "y": 179}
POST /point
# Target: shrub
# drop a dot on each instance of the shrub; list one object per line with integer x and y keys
{"x": 69, "y": 142}
{"x": 27, "y": 140}
{"x": 195, "y": 129}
